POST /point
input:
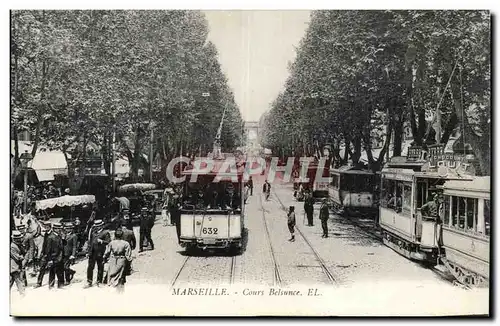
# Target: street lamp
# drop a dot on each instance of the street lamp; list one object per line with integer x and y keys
{"x": 26, "y": 163}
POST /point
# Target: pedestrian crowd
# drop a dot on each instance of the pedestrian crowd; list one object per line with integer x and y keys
{"x": 44, "y": 247}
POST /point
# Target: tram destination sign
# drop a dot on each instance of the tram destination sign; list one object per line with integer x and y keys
{"x": 398, "y": 174}
{"x": 451, "y": 161}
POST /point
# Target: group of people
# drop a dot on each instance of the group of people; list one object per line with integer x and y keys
{"x": 57, "y": 253}
{"x": 59, "y": 247}
{"x": 324, "y": 214}
{"x": 34, "y": 194}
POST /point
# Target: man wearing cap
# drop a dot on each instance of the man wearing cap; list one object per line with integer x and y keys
{"x": 69, "y": 252}
{"x": 52, "y": 253}
{"x": 145, "y": 229}
{"x": 98, "y": 240}
{"x": 126, "y": 220}
{"x": 17, "y": 261}
{"x": 28, "y": 244}
{"x": 324, "y": 214}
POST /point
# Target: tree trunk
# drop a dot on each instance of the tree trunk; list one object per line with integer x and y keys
{"x": 41, "y": 108}
{"x": 356, "y": 155}
{"x": 480, "y": 145}
{"x": 398, "y": 131}
{"x": 136, "y": 153}
{"x": 106, "y": 151}
{"x": 448, "y": 129}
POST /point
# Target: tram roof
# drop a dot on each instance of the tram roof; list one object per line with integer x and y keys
{"x": 215, "y": 170}
{"x": 478, "y": 184}
{"x": 351, "y": 170}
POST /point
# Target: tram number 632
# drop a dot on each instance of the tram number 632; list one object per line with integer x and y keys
{"x": 209, "y": 230}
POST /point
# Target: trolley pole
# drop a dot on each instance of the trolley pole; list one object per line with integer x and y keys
{"x": 113, "y": 162}
{"x": 151, "y": 154}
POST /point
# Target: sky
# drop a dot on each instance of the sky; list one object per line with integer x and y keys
{"x": 254, "y": 50}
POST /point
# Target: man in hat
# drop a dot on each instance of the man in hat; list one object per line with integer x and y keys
{"x": 324, "y": 214}
{"x": 266, "y": 189}
{"x": 146, "y": 225}
{"x": 431, "y": 208}
{"x": 129, "y": 236}
{"x": 309, "y": 208}
{"x": 28, "y": 244}
{"x": 69, "y": 252}
{"x": 127, "y": 221}
{"x": 52, "y": 253}
{"x": 17, "y": 261}
{"x": 98, "y": 240}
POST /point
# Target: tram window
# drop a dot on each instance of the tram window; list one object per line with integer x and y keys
{"x": 461, "y": 212}
{"x": 454, "y": 211}
{"x": 446, "y": 204}
{"x": 407, "y": 197}
{"x": 335, "y": 181}
{"x": 421, "y": 193}
{"x": 487, "y": 217}
{"x": 388, "y": 190}
{"x": 471, "y": 210}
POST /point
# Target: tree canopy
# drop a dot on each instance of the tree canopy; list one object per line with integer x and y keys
{"x": 361, "y": 77}
{"x": 149, "y": 76}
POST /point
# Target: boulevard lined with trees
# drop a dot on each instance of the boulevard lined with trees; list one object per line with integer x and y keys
{"x": 122, "y": 78}
{"x": 360, "y": 77}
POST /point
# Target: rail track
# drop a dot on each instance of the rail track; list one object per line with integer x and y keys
{"x": 331, "y": 277}
{"x": 276, "y": 271}
{"x": 372, "y": 233}
{"x": 183, "y": 267}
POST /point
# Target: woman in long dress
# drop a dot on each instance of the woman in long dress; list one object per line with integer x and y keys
{"x": 118, "y": 254}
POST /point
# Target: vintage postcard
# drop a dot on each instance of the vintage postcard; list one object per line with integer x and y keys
{"x": 250, "y": 163}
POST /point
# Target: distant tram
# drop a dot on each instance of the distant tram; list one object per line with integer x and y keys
{"x": 212, "y": 210}
{"x": 354, "y": 191}
{"x": 466, "y": 230}
{"x": 318, "y": 188}
{"x": 407, "y": 184}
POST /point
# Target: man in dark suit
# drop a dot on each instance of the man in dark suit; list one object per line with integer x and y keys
{"x": 52, "y": 255}
{"x": 97, "y": 242}
{"x": 69, "y": 253}
{"x": 309, "y": 208}
{"x": 147, "y": 222}
{"x": 28, "y": 244}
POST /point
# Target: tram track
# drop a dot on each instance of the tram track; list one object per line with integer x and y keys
{"x": 331, "y": 277}
{"x": 371, "y": 233}
{"x": 277, "y": 280}
{"x": 183, "y": 267}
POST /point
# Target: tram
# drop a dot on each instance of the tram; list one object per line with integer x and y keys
{"x": 354, "y": 191}
{"x": 306, "y": 181}
{"x": 466, "y": 230}
{"x": 407, "y": 184}
{"x": 212, "y": 211}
